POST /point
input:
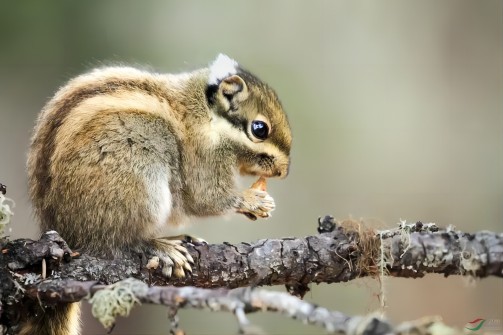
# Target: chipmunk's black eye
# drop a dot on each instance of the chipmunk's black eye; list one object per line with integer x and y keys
{"x": 259, "y": 129}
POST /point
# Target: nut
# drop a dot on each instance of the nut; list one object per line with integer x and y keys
{"x": 260, "y": 184}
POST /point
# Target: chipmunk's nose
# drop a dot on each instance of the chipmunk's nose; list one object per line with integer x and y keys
{"x": 283, "y": 171}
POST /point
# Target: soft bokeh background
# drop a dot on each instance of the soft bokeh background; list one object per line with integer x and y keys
{"x": 396, "y": 109}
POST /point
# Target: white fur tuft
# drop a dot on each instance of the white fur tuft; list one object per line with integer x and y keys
{"x": 221, "y": 68}
{"x": 165, "y": 203}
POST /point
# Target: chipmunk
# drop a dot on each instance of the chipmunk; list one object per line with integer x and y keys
{"x": 120, "y": 153}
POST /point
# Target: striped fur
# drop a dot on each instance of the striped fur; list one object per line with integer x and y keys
{"x": 119, "y": 154}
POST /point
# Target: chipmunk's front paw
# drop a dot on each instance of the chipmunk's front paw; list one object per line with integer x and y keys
{"x": 256, "y": 203}
{"x": 171, "y": 255}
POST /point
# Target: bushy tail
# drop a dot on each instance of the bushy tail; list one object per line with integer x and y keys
{"x": 57, "y": 320}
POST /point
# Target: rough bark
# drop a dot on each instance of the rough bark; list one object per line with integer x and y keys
{"x": 337, "y": 256}
{"x": 342, "y": 252}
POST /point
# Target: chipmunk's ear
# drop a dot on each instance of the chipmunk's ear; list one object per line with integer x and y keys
{"x": 225, "y": 86}
{"x": 233, "y": 89}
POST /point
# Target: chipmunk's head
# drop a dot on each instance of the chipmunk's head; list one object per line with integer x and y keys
{"x": 249, "y": 116}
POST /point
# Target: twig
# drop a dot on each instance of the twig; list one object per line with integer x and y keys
{"x": 238, "y": 301}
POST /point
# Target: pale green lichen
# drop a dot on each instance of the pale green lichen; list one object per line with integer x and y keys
{"x": 405, "y": 230}
{"x": 5, "y": 212}
{"x": 31, "y": 278}
{"x": 117, "y": 300}
{"x": 471, "y": 262}
{"x": 382, "y": 261}
{"x": 385, "y": 257}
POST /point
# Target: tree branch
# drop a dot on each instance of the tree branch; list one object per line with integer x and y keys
{"x": 409, "y": 251}
{"x": 239, "y": 301}
{"x": 343, "y": 251}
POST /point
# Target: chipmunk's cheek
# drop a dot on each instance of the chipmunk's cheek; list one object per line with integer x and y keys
{"x": 250, "y": 170}
{"x": 244, "y": 171}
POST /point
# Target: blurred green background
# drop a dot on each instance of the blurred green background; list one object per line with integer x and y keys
{"x": 396, "y": 110}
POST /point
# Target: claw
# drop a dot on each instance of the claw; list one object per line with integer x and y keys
{"x": 190, "y": 259}
{"x": 167, "y": 271}
{"x": 172, "y": 256}
{"x": 187, "y": 267}
{"x": 179, "y": 272}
